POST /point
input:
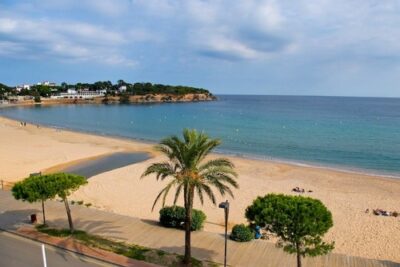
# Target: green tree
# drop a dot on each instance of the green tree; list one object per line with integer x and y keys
{"x": 64, "y": 184}
{"x": 36, "y": 97}
{"x": 34, "y": 189}
{"x": 190, "y": 173}
{"x": 299, "y": 222}
{"x": 121, "y": 82}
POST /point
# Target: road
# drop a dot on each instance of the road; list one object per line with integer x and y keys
{"x": 19, "y": 252}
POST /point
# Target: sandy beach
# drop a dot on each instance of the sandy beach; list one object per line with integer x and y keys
{"x": 24, "y": 150}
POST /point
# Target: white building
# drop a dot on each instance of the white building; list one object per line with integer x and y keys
{"x": 122, "y": 88}
{"x": 23, "y": 86}
{"x": 71, "y": 91}
{"x": 73, "y": 94}
{"x": 47, "y": 83}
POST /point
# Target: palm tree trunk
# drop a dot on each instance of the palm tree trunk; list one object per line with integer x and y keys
{"x": 44, "y": 215}
{"x": 188, "y": 224}
{"x": 298, "y": 255}
{"x": 71, "y": 225}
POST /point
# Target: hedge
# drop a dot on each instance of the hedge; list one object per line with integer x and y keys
{"x": 174, "y": 217}
{"x": 241, "y": 233}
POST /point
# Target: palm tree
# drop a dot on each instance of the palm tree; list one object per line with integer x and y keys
{"x": 190, "y": 172}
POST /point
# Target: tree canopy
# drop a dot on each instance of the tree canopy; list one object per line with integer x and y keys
{"x": 299, "y": 222}
{"x": 139, "y": 88}
{"x": 33, "y": 189}
{"x": 65, "y": 183}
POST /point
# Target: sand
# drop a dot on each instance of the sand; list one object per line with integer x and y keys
{"x": 24, "y": 150}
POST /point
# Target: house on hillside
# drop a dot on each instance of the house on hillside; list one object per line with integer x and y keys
{"x": 122, "y": 88}
{"x": 23, "y": 86}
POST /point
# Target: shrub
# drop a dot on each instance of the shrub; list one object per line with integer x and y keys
{"x": 198, "y": 218}
{"x": 241, "y": 233}
{"x": 174, "y": 217}
{"x": 395, "y": 213}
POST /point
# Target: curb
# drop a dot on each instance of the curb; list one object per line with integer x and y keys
{"x": 12, "y": 232}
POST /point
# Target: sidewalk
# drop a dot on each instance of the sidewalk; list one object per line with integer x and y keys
{"x": 205, "y": 246}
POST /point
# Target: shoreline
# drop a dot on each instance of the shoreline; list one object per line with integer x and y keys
{"x": 342, "y": 169}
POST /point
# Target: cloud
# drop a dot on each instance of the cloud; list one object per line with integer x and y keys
{"x": 242, "y": 30}
{"x": 253, "y": 30}
{"x": 8, "y": 48}
{"x": 71, "y": 41}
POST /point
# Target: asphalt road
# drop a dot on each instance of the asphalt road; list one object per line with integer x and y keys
{"x": 20, "y": 252}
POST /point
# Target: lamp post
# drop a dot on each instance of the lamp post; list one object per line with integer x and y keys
{"x": 225, "y": 206}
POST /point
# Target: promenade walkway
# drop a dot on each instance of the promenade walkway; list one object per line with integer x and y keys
{"x": 205, "y": 245}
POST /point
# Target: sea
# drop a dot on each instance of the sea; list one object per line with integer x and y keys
{"x": 347, "y": 133}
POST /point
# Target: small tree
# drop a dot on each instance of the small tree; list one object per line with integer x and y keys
{"x": 34, "y": 189}
{"x": 299, "y": 222}
{"x": 63, "y": 184}
{"x": 191, "y": 173}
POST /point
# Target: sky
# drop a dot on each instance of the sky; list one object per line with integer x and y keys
{"x": 282, "y": 47}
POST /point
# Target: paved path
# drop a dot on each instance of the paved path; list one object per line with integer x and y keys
{"x": 205, "y": 245}
{"x": 16, "y": 252}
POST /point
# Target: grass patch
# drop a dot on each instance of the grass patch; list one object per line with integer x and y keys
{"x": 129, "y": 250}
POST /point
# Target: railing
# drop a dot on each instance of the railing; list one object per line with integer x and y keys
{"x": 5, "y": 185}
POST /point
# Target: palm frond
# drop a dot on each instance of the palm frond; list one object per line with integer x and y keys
{"x": 177, "y": 193}
{"x": 220, "y": 162}
{"x": 163, "y": 192}
{"x": 200, "y": 193}
{"x": 209, "y": 193}
{"x": 162, "y": 169}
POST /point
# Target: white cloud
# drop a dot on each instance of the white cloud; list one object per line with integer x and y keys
{"x": 248, "y": 30}
{"x": 70, "y": 41}
{"x": 10, "y": 48}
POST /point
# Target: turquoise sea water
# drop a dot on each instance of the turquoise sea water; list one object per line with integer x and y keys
{"x": 360, "y": 134}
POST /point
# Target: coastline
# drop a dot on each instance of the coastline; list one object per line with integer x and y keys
{"x": 30, "y": 149}
{"x": 305, "y": 164}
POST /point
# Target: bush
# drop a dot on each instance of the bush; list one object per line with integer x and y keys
{"x": 174, "y": 217}
{"x": 198, "y": 218}
{"x": 241, "y": 233}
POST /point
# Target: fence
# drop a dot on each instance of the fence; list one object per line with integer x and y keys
{"x": 5, "y": 185}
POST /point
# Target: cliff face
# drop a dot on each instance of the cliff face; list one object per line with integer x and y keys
{"x": 149, "y": 98}
{"x": 160, "y": 98}
{"x": 171, "y": 98}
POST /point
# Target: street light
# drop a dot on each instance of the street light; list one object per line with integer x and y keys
{"x": 225, "y": 206}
